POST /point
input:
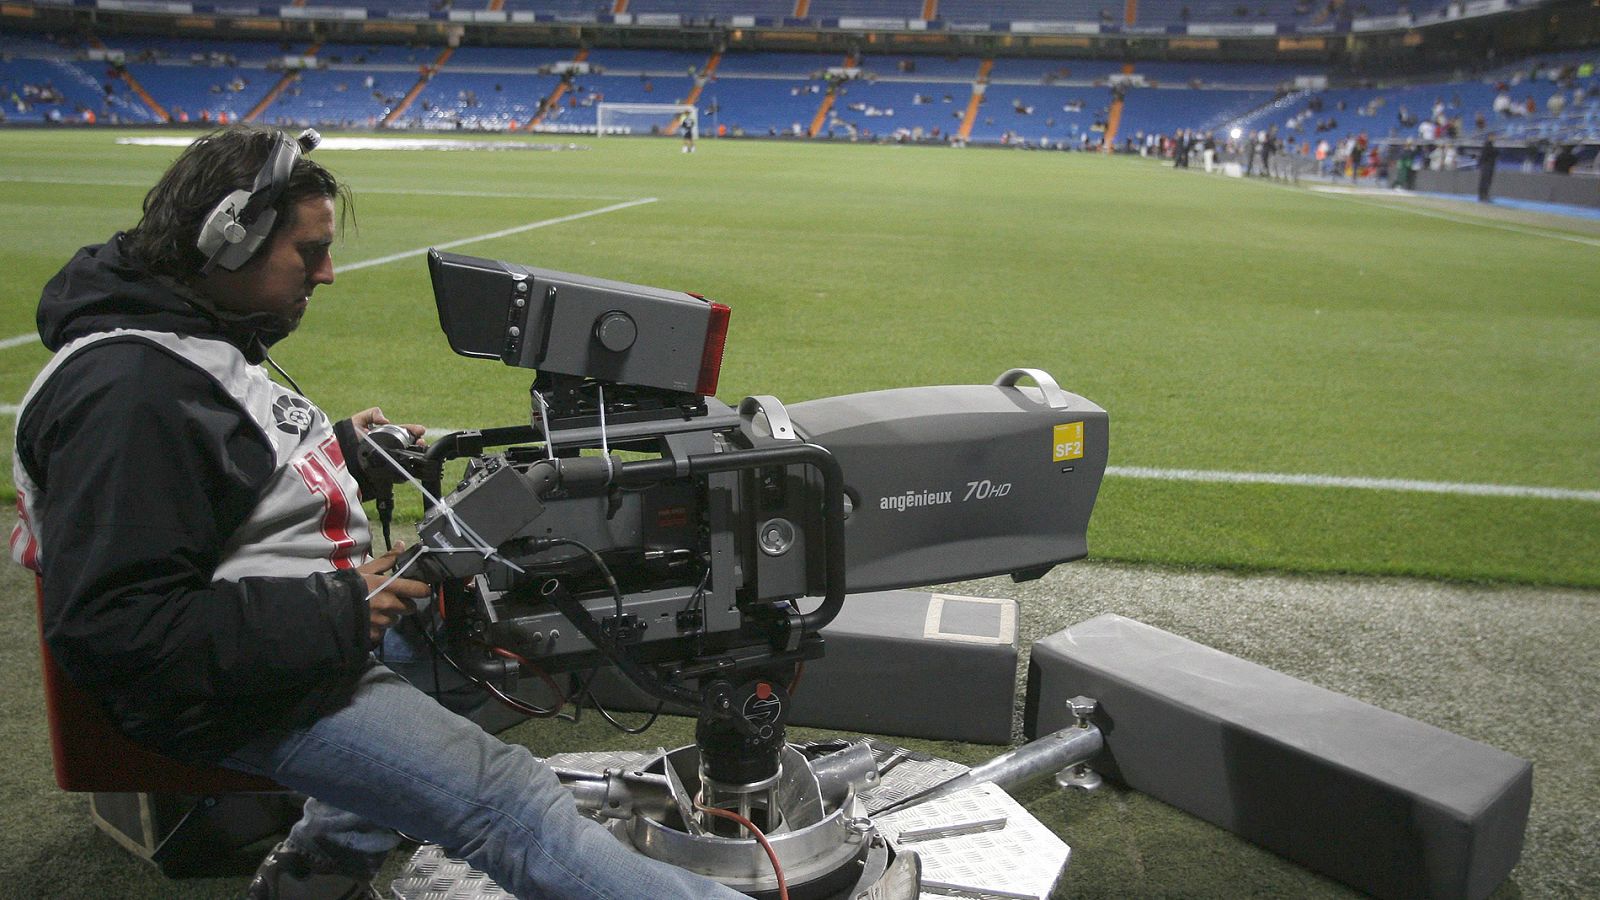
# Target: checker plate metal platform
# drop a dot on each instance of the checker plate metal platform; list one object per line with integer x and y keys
{"x": 978, "y": 843}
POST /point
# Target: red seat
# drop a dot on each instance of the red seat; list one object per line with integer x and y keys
{"x": 90, "y": 754}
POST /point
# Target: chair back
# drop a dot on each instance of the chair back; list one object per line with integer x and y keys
{"x": 90, "y": 754}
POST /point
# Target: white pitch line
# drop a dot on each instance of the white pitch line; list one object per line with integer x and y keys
{"x": 19, "y": 341}
{"x": 507, "y": 232}
{"x": 1460, "y": 488}
{"x": 1459, "y": 220}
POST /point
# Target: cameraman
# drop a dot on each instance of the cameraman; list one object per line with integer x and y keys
{"x": 205, "y": 557}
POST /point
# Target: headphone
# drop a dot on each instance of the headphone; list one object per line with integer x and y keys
{"x": 236, "y": 228}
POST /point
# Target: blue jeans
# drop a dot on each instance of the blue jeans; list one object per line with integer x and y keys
{"x": 393, "y": 758}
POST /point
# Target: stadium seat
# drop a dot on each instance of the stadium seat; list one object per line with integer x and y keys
{"x": 173, "y": 814}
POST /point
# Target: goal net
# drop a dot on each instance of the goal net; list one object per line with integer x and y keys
{"x": 645, "y": 118}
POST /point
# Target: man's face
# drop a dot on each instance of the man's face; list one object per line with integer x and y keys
{"x": 280, "y": 278}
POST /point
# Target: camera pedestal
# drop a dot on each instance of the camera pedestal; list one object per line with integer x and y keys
{"x": 977, "y": 841}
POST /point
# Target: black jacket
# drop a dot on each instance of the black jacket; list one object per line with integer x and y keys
{"x": 145, "y": 466}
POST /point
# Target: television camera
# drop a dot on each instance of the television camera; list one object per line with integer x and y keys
{"x": 699, "y": 548}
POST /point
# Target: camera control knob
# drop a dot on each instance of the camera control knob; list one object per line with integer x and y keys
{"x": 616, "y": 331}
{"x": 776, "y": 536}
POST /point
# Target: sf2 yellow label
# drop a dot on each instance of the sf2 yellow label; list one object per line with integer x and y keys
{"x": 1069, "y": 442}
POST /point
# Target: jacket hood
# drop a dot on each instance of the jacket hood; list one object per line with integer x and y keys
{"x": 100, "y": 289}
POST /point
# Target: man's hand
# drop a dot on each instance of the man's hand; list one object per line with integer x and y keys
{"x": 396, "y": 599}
{"x": 367, "y": 419}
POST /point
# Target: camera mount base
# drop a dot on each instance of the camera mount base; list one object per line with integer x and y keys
{"x": 975, "y": 841}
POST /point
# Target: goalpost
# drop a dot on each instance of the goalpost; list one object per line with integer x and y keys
{"x": 645, "y": 118}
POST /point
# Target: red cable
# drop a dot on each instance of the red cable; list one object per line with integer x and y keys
{"x": 783, "y": 886}
{"x": 519, "y": 659}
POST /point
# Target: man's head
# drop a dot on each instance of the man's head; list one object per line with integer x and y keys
{"x": 291, "y": 262}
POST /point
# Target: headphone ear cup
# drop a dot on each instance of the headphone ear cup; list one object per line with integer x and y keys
{"x": 221, "y": 226}
{"x": 224, "y": 241}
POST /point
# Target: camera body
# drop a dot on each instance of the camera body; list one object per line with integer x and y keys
{"x": 638, "y": 523}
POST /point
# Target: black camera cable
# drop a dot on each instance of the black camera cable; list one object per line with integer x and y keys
{"x": 515, "y": 703}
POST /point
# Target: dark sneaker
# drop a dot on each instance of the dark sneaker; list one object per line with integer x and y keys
{"x": 291, "y": 874}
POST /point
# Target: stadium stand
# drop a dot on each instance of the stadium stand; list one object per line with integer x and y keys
{"x": 214, "y": 93}
{"x": 1040, "y": 71}
{"x": 188, "y": 51}
{"x": 59, "y": 90}
{"x": 895, "y": 96}
{"x": 494, "y": 101}
{"x": 577, "y": 108}
{"x": 508, "y": 59}
{"x": 1029, "y": 10}
{"x": 770, "y": 65}
{"x": 904, "y": 108}
{"x": 337, "y": 97}
{"x": 1164, "y": 111}
{"x": 561, "y": 10}
{"x": 1253, "y": 75}
{"x": 647, "y": 62}
{"x": 712, "y": 10}
{"x": 1031, "y": 113}
{"x": 932, "y": 68}
{"x": 874, "y": 9}
{"x": 761, "y": 106}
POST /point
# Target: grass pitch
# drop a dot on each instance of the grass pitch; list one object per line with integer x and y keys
{"x": 1225, "y": 325}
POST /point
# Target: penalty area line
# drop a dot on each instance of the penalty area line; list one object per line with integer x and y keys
{"x": 1458, "y": 488}
{"x": 505, "y": 232}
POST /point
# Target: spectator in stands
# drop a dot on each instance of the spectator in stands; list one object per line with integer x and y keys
{"x": 208, "y": 600}
{"x": 1486, "y": 162}
{"x": 1405, "y": 168}
{"x": 1565, "y": 160}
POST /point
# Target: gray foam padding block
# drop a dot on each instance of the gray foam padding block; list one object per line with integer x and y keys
{"x": 905, "y": 663}
{"x": 1386, "y": 804}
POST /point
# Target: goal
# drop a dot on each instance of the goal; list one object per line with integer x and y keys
{"x": 645, "y": 118}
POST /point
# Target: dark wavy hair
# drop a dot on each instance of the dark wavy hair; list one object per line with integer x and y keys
{"x": 214, "y": 165}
